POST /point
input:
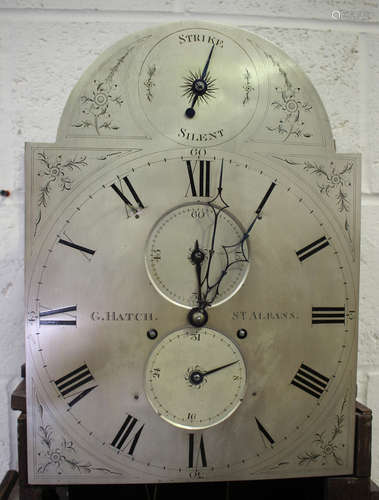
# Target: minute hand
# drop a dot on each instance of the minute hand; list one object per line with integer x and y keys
{"x": 257, "y": 212}
{"x": 239, "y": 244}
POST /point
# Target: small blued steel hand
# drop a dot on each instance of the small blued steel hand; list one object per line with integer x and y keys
{"x": 219, "y": 368}
{"x": 197, "y": 376}
{"x": 197, "y": 258}
{"x": 199, "y": 86}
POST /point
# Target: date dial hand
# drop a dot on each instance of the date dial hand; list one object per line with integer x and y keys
{"x": 196, "y": 377}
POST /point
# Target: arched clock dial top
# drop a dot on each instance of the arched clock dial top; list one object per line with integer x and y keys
{"x": 191, "y": 270}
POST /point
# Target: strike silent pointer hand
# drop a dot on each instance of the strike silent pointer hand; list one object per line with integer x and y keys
{"x": 199, "y": 86}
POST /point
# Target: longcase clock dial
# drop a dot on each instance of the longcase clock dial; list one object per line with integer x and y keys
{"x": 192, "y": 258}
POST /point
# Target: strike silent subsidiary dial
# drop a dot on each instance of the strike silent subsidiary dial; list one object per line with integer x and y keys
{"x": 195, "y": 378}
{"x": 204, "y": 92}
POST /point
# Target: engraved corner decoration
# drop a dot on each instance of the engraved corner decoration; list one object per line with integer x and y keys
{"x": 58, "y": 171}
{"x": 327, "y": 445}
{"x": 335, "y": 182}
{"x": 57, "y": 454}
{"x": 55, "y": 171}
{"x": 290, "y": 106}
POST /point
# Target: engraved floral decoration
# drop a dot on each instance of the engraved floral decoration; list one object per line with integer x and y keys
{"x": 189, "y": 372}
{"x": 335, "y": 181}
{"x": 101, "y": 101}
{"x": 59, "y": 454}
{"x": 247, "y": 86}
{"x": 291, "y": 107}
{"x": 148, "y": 83}
{"x": 326, "y": 444}
{"x": 55, "y": 171}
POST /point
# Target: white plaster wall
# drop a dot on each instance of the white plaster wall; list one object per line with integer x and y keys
{"x": 45, "y": 45}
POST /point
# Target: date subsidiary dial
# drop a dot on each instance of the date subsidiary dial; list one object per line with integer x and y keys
{"x": 195, "y": 378}
{"x": 172, "y": 242}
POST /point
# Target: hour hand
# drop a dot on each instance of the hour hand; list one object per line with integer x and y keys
{"x": 198, "y": 315}
{"x": 197, "y": 257}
